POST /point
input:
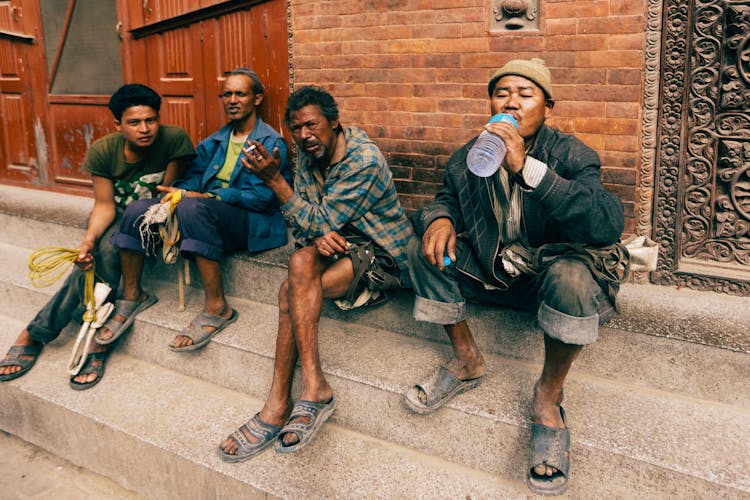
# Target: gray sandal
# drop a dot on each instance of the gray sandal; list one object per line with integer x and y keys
{"x": 316, "y": 412}
{"x": 198, "y": 335}
{"x": 129, "y": 309}
{"x": 13, "y": 358}
{"x": 263, "y": 432}
{"x": 548, "y": 447}
{"x": 95, "y": 363}
{"x": 439, "y": 389}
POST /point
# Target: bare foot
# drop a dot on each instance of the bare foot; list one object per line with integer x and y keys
{"x": 545, "y": 409}
{"x": 268, "y": 415}
{"x": 90, "y": 377}
{"x": 24, "y": 339}
{"x": 462, "y": 370}
{"x": 184, "y": 340}
{"x": 105, "y": 333}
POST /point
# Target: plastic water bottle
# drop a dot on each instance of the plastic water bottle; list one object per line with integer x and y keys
{"x": 488, "y": 152}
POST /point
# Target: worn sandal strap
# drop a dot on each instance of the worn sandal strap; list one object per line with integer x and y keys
{"x": 548, "y": 447}
{"x": 260, "y": 430}
{"x": 90, "y": 367}
{"x": 441, "y": 384}
{"x": 23, "y": 350}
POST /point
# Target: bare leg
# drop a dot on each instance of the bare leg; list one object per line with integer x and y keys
{"x": 215, "y": 302}
{"x": 548, "y": 391}
{"x": 131, "y": 263}
{"x": 468, "y": 361}
{"x": 278, "y": 405}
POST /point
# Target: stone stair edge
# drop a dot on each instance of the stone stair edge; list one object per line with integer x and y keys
{"x": 631, "y": 358}
{"x": 473, "y": 405}
{"x": 201, "y": 438}
{"x": 703, "y": 317}
{"x": 583, "y": 451}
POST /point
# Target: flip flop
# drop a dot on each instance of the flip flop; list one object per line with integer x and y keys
{"x": 548, "y": 447}
{"x": 198, "y": 335}
{"x": 263, "y": 432}
{"x": 13, "y": 358}
{"x": 439, "y": 389}
{"x": 90, "y": 367}
{"x": 129, "y": 309}
{"x": 316, "y": 412}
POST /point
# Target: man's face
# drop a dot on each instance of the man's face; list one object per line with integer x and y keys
{"x": 524, "y": 100}
{"x": 238, "y": 97}
{"x": 139, "y": 125}
{"x": 312, "y": 132}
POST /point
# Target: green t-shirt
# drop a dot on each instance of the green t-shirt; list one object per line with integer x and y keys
{"x": 138, "y": 180}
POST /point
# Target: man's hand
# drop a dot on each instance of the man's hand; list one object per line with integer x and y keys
{"x": 85, "y": 255}
{"x": 170, "y": 190}
{"x": 330, "y": 244}
{"x": 260, "y": 162}
{"x": 514, "y": 143}
{"x": 439, "y": 237}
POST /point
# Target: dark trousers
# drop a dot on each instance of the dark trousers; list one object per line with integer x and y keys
{"x": 67, "y": 303}
{"x": 208, "y": 227}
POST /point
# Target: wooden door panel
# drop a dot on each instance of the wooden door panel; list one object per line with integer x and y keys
{"x": 256, "y": 38}
{"x": 18, "y": 160}
{"x": 177, "y": 76}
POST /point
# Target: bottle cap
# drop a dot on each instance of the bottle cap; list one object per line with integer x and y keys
{"x": 504, "y": 117}
{"x": 447, "y": 261}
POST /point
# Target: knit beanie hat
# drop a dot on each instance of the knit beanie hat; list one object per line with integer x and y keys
{"x": 535, "y": 70}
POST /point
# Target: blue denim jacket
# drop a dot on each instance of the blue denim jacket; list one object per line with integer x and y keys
{"x": 267, "y": 228}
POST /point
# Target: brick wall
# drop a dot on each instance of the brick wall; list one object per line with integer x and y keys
{"x": 413, "y": 74}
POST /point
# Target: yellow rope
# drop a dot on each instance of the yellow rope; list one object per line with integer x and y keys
{"x": 48, "y": 264}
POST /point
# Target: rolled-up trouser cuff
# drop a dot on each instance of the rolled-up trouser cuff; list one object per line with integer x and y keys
{"x": 196, "y": 247}
{"x": 568, "y": 329}
{"x": 440, "y": 313}
{"x": 127, "y": 242}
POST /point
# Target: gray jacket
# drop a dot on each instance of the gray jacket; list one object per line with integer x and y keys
{"x": 569, "y": 205}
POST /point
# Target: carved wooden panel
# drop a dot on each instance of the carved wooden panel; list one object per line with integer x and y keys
{"x": 703, "y": 195}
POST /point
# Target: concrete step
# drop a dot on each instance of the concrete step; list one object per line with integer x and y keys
{"x": 691, "y": 369}
{"x": 32, "y": 218}
{"x": 656, "y": 439}
{"x": 155, "y": 431}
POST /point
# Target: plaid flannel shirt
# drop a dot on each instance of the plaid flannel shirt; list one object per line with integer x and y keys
{"x": 358, "y": 190}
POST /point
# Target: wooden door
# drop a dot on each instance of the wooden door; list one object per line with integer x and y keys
{"x": 19, "y": 60}
{"x": 702, "y": 205}
{"x": 189, "y": 46}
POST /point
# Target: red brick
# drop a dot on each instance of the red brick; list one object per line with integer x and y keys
{"x": 594, "y": 141}
{"x": 575, "y": 10}
{"x": 608, "y": 126}
{"x": 614, "y": 175}
{"x": 419, "y": 162}
{"x": 398, "y": 171}
{"x": 507, "y": 44}
{"x": 413, "y": 104}
{"x": 609, "y": 59}
{"x": 561, "y": 26}
{"x": 611, "y": 25}
{"x": 625, "y": 76}
{"x": 436, "y": 61}
{"x": 633, "y": 41}
{"x": 579, "y": 109}
{"x": 624, "y": 143}
{"x": 625, "y": 7}
{"x": 623, "y": 110}
{"x": 620, "y": 159}
{"x": 576, "y": 42}
{"x": 608, "y": 93}
{"x": 437, "y": 90}
{"x": 315, "y": 22}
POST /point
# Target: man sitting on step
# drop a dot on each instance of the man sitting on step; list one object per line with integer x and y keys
{"x": 351, "y": 234}
{"x": 126, "y": 165}
{"x": 223, "y": 208}
{"x": 546, "y": 191}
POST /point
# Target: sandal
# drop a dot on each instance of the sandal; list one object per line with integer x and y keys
{"x": 91, "y": 366}
{"x": 198, "y": 335}
{"x": 128, "y": 309}
{"x": 13, "y": 358}
{"x": 439, "y": 389}
{"x": 265, "y": 433}
{"x": 549, "y": 446}
{"x": 316, "y": 412}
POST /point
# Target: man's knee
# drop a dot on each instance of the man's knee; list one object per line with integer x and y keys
{"x": 191, "y": 208}
{"x": 302, "y": 263}
{"x": 569, "y": 287}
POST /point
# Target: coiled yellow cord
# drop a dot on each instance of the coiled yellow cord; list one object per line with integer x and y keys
{"x": 48, "y": 264}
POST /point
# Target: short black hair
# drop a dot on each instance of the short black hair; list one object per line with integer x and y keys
{"x": 133, "y": 94}
{"x": 241, "y": 70}
{"x": 311, "y": 94}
